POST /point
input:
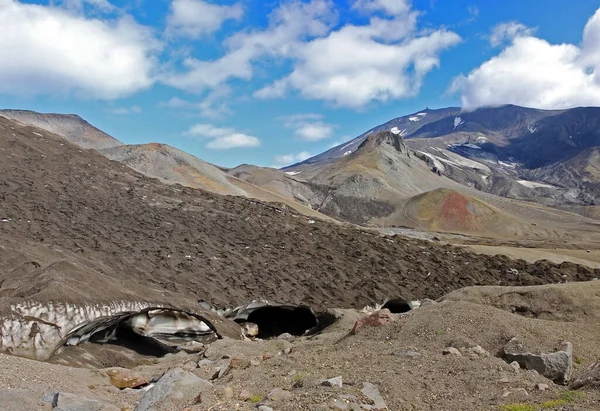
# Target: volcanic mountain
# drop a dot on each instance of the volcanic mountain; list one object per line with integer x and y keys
{"x": 548, "y": 156}
{"x": 70, "y": 126}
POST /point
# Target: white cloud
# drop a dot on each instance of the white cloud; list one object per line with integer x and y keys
{"x": 121, "y": 111}
{"x": 532, "y": 72}
{"x": 49, "y": 50}
{"x": 195, "y": 18}
{"x": 222, "y": 138}
{"x": 509, "y": 32}
{"x": 391, "y": 7}
{"x": 212, "y": 106}
{"x": 79, "y": 5}
{"x": 288, "y": 25}
{"x": 355, "y": 65}
{"x": 309, "y": 127}
{"x": 287, "y": 159}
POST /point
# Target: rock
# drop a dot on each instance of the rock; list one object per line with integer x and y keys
{"x": 556, "y": 366}
{"x": 244, "y": 395}
{"x": 228, "y": 393}
{"x": 12, "y": 399}
{"x": 174, "y": 390}
{"x": 224, "y": 367}
{"x": 207, "y": 370}
{"x": 240, "y": 363}
{"x": 542, "y": 387}
{"x": 590, "y": 378}
{"x": 377, "y": 319}
{"x": 265, "y": 408}
{"x": 407, "y": 354}
{"x": 287, "y": 337}
{"x": 372, "y": 393}
{"x": 250, "y": 330}
{"x": 333, "y": 382}
{"x": 124, "y": 378}
{"x": 451, "y": 351}
{"x": 515, "y": 366}
{"x": 476, "y": 351}
{"x": 255, "y": 362}
{"x": 288, "y": 350}
{"x": 64, "y": 401}
{"x": 278, "y": 395}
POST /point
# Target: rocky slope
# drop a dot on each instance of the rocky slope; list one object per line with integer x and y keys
{"x": 523, "y": 153}
{"x": 69, "y": 126}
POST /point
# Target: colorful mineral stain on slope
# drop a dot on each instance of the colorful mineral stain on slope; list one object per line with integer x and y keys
{"x": 448, "y": 210}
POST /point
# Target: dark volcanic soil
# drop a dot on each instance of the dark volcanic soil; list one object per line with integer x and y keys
{"x": 226, "y": 250}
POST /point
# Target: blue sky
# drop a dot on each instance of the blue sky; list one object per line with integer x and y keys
{"x": 271, "y": 82}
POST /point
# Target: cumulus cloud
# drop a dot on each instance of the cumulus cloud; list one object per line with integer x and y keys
{"x": 287, "y": 159}
{"x": 391, "y": 7}
{"x": 533, "y": 72}
{"x": 288, "y": 25}
{"x": 222, "y": 138}
{"x": 384, "y": 60}
{"x": 97, "y": 5}
{"x": 121, "y": 111}
{"x": 309, "y": 127}
{"x": 196, "y": 18}
{"x": 509, "y": 32}
{"x": 212, "y": 106}
{"x": 49, "y": 50}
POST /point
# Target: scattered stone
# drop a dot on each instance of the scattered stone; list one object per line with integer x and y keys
{"x": 407, "y": 354}
{"x": 240, "y": 363}
{"x": 124, "y": 378}
{"x": 207, "y": 370}
{"x": 590, "y": 378}
{"x": 377, "y": 319}
{"x": 255, "y": 362}
{"x": 266, "y": 357}
{"x": 542, "y": 387}
{"x": 190, "y": 365}
{"x": 556, "y": 366}
{"x": 372, "y": 393}
{"x": 64, "y": 401}
{"x": 477, "y": 351}
{"x": 505, "y": 393}
{"x": 287, "y": 337}
{"x": 224, "y": 367}
{"x": 278, "y": 395}
{"x": 173, "y": 390}
{"x": 515, "y": 366}
{"x": 265, "y": 408}
{"x": 244, "y": 395}
{"x": 12, "y": 399}
{"x": 451, "y": 351}
{"x": 228, "y": 393}
{"x": 288, "y": 350}
{"x": 333, "y": 382}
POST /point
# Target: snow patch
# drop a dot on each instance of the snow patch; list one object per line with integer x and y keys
{"x": 481, "y": 140}
{"x": 293, "y": 173}
{"x": 435, "y": 160}
{"x": 349, "y": 144}
{"x": 347, "y": 153}
{"x": 531, "y": 128}
{"x": 533, "y": 184}
{"x": 414, "y": 118}
{"x": 421, "y": 114}
{"x": 396, "y": 130}
{"x": 38, "y": 134}
{"x": 505, "y": 164}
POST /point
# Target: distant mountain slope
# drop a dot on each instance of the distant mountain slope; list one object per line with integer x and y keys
{"x": 545, "y": 156}
{"x": 69, "y": 126}
{"x": 172, "y": 165}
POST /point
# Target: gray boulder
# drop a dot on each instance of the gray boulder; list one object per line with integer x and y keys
{"x": 372, "y": 393}
{"x": 556, "y": 366}
{"x": 174, "y": 390}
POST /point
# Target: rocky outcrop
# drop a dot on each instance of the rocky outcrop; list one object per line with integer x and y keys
{"x": 556, "y": 366}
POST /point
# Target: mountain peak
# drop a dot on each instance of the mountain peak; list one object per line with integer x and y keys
{"x": 382, "y": 139}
